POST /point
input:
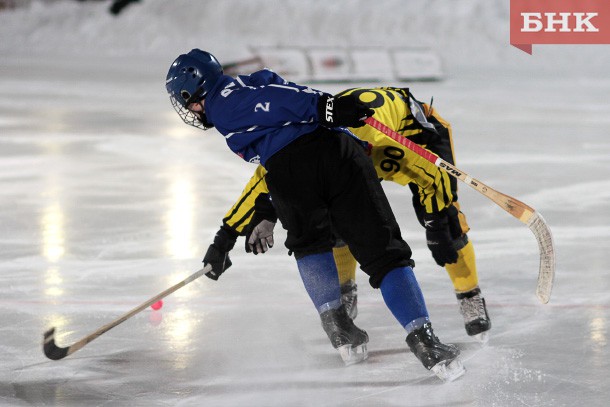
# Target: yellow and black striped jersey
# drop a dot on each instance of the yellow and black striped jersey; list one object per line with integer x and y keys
{"x": 240, "y": 214}
{"x": 392, "y": 161}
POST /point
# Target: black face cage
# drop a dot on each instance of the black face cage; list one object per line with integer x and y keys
{"x": 190, "y": 118}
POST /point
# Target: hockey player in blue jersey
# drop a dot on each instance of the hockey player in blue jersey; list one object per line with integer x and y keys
{"x": 320, "y": 180}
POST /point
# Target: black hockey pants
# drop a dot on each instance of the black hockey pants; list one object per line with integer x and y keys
{"x": 324, "y": 181}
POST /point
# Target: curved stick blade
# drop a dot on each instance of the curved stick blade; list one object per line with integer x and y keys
{"x": 546, "y": 274}
{"x": 51, "y": 350}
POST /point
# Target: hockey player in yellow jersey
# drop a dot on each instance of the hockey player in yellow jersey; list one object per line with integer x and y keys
{"x": 434, "y": 198}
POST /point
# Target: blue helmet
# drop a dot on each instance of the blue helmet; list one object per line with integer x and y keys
{"x": 192, "y": 76}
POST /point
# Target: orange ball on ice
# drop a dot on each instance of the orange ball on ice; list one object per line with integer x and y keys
{"x": 157, "y": 305}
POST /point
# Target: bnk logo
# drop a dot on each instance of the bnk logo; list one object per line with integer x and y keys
{"x": 559, "y": 22}
{"x": 563, "y": 22}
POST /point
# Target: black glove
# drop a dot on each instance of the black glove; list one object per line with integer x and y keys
{"x": 439, "y": 238}
{"x": 344, "y": 111}
{"x": 259, "y": 232}
{"x": 218, "y": 252}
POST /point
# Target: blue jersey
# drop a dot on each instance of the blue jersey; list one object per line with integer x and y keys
{"x": 261, "y": 113}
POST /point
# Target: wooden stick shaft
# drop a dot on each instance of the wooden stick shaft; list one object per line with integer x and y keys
{"x": 518, "y": 209}
{"x": 76, "y": 346}
{"x": 511, "y": 205}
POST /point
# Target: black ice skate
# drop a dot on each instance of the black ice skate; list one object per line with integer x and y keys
{"x": 442, "y": 359}
{"x": 349, "y": 298}
{"x": 474, "y": 311}
{"x": 346, "y": 337}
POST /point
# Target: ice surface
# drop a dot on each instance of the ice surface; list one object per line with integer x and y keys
{"x": 107, "y": 199}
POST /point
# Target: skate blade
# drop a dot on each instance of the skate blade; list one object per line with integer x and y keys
{"x": 448, "y": 372}
{"x": 482, "y": 338}
{"x": 354, "y": 355}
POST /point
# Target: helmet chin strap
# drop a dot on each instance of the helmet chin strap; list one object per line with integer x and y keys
{"x": 206, "y": 124}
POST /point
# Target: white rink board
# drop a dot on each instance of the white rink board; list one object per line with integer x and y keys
{"x": 329, "y": 64}
{"x": 292, "y": 64}
{"x": 372, "y": 64}
{"x": 416, "y": 64}
{"x": 341, "y": 64}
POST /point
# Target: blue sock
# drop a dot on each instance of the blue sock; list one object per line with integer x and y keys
{"x": 319, "y": 275}
{"x": 403, "y": 297}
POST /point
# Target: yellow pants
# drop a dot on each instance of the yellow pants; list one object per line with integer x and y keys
{"x": 463, "y": 273}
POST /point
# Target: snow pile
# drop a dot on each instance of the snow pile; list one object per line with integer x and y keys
{"x": 229, "y": 27}
{"x": 464, "y": 32}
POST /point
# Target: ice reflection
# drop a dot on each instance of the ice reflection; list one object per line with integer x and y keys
{"x": 52, "y": 277}
{"x": 597, "y": 328}
{"x": 58, "y": 321}
{"x": 180, "y": 218}
{"x": 180, "y": 326}
{"x": 53, "y": 292}
{"x": 52, "y": 225}
{"x": 55, "y": 121}
{"x": 182, "y": 322}
{"x": 189, "y": 290}
{"x": 598, "y": 337}
{"x": 180, "y": 131}
{"x": 53, "y": 238}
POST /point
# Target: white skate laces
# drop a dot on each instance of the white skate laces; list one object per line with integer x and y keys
{"x": 474, "y": 311}
{"x": 472, "y": 308}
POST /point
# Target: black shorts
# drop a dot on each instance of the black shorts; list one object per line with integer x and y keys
{"x": 324, "y": 182}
